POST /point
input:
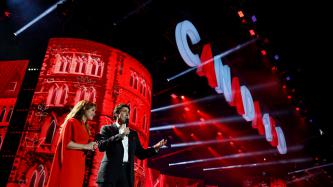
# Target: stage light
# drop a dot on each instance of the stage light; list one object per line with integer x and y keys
{"x": 49, "y": 10}
{"x": 263, "y": 52}
{"x": 187, "y": 109}
{"x": 312, "y": 168}
{"x": 252, "y": 33}
{"x": 174, "y": 96}
{"x": 183, "y": 97}
{"x": 289, "y": 96}
{"x": 186, "y": 103}
{"x": 298, "y": 160}
{"x": 235, "y": 156}
{"x": 254, "y": 19}
{"x": 197, "y": 123}
{"x": 7, "y": 13}
{"x": 230, "y": 140}
{"x": 298, "y": 109}
{"x": 276, "y": 57}
{"x": 240, "y": 14}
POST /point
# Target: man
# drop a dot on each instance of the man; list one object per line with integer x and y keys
{"x": 120, "y": 144}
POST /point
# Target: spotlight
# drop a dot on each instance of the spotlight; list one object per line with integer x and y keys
{"x": 174, "y": 96}
{"x": 240, "y": 14}
{"x": 252, "y": 33}
{"x": 263, "y": 52}
{"x": 254, "y": 19}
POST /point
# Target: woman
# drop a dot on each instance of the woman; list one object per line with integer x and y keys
{"x": 68, "y": 166}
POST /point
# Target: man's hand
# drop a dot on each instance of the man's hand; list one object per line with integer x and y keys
{"x": 91, "y": 146}
{"x": 160, "y": 144}
{"x": 124, "y": 131}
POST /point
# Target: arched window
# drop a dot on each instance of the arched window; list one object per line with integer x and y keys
{"x": 38, "y": 177}
{"x": 144, "y": 88}
{"x": 2, "y": 114}
{"x": 33, "y": 179}
{"x": 65, "y": 64}
{"x": 50, "y": 132}
{"x": 85, "y": 94}
{"x": 94, "y": 67}
{"x": 77, "y": 68}
{"x": 41, "y": 179}
{"x": 134, "y": 116}
{"x": 141, "y": 87}
{"x": 64, "y": 92}
{"x": 68, "y": 64}
{"x": 56, "y": 95}
{"x": 132, "y": 80}
{"x": 136, "y": 82}
{"x": 62, "y": 66}
{"x": 83, "y": 70}
{"x": 81, "y": 94}
{"x": 58, "y": 63}
{"x": 52, "y": 95}
{"x": 100, "y": 68}
{"x": 91, "y": 95}
{"x": 9, "y": 114}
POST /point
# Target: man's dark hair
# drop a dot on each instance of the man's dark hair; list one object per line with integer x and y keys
{"x": 117, "y": 109}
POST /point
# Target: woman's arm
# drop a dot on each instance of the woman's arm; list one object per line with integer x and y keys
{"x": 76, "y": 146}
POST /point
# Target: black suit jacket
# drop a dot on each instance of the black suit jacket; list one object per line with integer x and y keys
{"x": 110, "y": 143}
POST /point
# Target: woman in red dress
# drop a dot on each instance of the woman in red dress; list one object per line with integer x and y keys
{"x": 68, "y": 166}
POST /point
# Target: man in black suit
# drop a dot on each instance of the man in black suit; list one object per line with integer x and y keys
{"x": 120, "y": 144}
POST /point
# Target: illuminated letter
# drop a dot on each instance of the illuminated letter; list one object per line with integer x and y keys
{"x": 183, "y": 29}
{"x": 247, "y": 104}
{"x": 257, "y": 121}
{"x": 237, "y": 97}
{"x": 282, "y": 145}
{"x": 223, "y": 78}
{"x": 208, "y": 69}
{"x": 267, "y": 125}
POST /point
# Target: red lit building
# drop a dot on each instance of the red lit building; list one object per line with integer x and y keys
{"x": 76, "y": 69}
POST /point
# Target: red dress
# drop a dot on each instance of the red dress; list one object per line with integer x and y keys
{"x": 69, "y": 165}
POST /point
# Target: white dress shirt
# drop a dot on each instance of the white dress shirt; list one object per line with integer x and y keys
{"x": 124, "y": 142}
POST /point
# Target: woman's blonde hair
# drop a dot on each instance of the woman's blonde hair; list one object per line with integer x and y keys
{"x": 78, "y": 111}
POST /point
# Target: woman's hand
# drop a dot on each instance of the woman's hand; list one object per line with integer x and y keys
{"x": 91, "y": 146}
